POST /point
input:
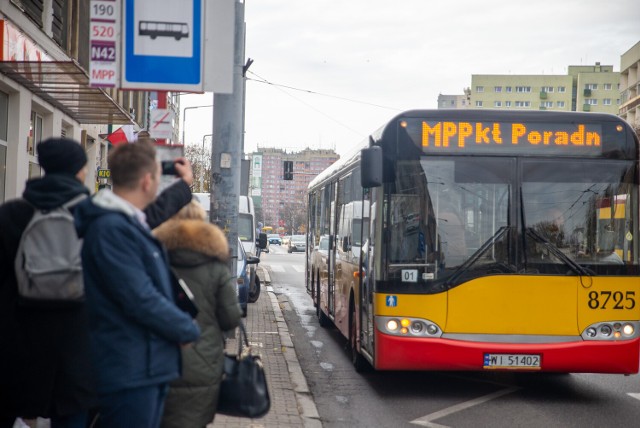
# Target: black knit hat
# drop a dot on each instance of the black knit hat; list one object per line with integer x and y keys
{"x": 61, "y": 156}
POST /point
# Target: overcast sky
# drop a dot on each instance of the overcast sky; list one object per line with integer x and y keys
{"x": 367, "y": 60}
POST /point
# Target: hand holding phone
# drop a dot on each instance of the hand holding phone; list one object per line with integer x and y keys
{"x": 169, "y": 168}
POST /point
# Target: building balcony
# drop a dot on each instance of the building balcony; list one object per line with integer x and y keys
{"x": 586, "y": 107}
{"x": 543, "y": 95}
{"x": 587, "y": 92}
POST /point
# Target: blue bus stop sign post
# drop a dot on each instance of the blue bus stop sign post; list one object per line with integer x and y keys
{"x": 162, "y": 45}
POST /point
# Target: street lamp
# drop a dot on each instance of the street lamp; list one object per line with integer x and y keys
{"x": 202, "y": 172}
{"x": 184, "y": 115}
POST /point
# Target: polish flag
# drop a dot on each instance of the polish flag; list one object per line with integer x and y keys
{"x": 122, "y": 135}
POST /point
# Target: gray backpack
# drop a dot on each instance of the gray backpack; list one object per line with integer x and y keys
{"x": 48, "y": 264}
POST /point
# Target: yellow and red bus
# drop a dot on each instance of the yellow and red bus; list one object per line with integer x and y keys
{"x": 482, "y": 240}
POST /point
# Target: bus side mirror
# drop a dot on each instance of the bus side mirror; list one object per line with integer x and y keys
{"x": 371, "y": 166}
{"x": 262, "y": 241}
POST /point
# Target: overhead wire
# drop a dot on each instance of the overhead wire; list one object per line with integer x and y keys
{"x": 281, "y": 86}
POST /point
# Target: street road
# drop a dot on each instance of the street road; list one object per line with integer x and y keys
{"x": 438, "y": 399}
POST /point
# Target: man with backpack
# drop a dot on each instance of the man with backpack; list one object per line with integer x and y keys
{"x": 45, "y": 364}
{"x": 46, "y": 368}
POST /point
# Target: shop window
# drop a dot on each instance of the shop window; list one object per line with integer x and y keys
{"x": 3, "y": 170}
{"x": 35, "y": 133}
{"x": 4, "y": 115}
{"x": 34, "y": 170}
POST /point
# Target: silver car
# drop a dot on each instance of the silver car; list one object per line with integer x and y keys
{"x": 297, "y": 243}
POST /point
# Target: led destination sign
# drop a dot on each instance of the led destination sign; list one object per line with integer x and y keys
{"x": 512, "y": 138}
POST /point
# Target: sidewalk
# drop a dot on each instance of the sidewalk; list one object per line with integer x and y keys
{"x": 291, "y": 402}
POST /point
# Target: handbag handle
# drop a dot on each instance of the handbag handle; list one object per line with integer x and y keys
{"x": 243, "y": 338}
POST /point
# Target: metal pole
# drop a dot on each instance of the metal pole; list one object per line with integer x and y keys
{"x": 226, "y": 150}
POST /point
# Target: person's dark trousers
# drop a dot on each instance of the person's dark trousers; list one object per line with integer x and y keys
{"x": 137, "y": 407}
{"x": 78, "y": 420}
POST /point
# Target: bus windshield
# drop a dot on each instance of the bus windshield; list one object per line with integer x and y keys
{"x": 588, "y": 216}
{"x": 462, "y": 217}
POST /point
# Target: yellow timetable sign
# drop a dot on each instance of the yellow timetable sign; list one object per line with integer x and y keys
{"x": 104, "y": 173}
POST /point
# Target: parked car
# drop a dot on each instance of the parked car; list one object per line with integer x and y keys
{"x": 297, "y": 243}
{"x": 274, "y": 239}
{"x": 242, "y": 279}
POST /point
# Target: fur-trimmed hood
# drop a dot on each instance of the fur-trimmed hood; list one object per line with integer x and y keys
{"x": 195, "y": 235}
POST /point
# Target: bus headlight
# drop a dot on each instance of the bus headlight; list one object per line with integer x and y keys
{"x": 605, "y": 330}
{"x": 612, "y": 330}
{"x": 408, "y": 327}
{"x": 628, "y": 330}
{"x": 417, "y": 327}
{"x": 392, "y": 325}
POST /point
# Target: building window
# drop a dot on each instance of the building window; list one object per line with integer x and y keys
{"x": 479, "y": 88}
{"x": 522, "y": 89}
{"x": 523, "y": 104}
{"x": 35, "y": 133}
{"x": 478, "y": 103}
{"x": 546, "y": 104}
{"x": 507, "y": 103}
{"x": 560, "y": 104}
{"x": 591, "y": 101}
{"x": 34, "y": 170}
{"x": 4, "y": 115}
{"x": 497, "y": 89}
{"x": 607, "y": 86}
{"x": 497, "y": 103}
{"x": 547, "y": 89}
{"x": 508, "y": 88}
{"x": 592, "y": 86}
{"x": 606, "y": 102}
{"x": 561, "y": 89}
{"x": 32, "y": 8}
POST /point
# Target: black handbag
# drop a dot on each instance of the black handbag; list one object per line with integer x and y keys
{"x": 243, "y": 391}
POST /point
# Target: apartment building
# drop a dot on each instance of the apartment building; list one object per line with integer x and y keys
{"x": 454, "y": 101}
{"x": 630, "y": 86}
{"x": 584, "y": 88}
{"x": 45, "y": 91}
{"x": 272, "y": 195}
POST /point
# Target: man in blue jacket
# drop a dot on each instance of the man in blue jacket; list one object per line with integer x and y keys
{"x": 136, "y": 328}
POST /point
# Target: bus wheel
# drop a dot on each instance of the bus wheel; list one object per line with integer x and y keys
{"x": 323, "y": 320}
{"x": 359, "y": 362}
{"x": 254, "y": 292}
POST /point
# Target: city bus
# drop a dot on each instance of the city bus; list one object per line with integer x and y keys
{"x": 487, "y": 240}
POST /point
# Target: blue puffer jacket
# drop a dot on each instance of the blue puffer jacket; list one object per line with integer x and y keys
{"x": 136, "y": 328}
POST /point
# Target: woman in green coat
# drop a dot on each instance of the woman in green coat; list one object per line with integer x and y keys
{"x": 198, "y": 252}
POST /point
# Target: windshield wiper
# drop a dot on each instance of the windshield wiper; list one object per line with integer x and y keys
{"x": 475, "y": 256}
{"x": 580, "y": 270}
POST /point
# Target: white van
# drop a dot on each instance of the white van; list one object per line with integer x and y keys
{"x": 247, "y": 235}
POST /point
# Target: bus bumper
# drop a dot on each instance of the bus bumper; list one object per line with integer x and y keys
{"x": 403, "y": 353}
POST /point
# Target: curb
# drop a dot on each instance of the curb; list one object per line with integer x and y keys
{"x": 306, "y": 405}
